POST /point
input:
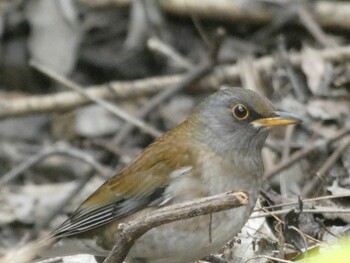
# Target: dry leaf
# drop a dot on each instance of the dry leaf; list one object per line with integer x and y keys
{"x": 314, "y": 68}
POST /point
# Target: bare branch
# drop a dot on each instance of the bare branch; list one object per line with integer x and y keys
{"x": 136, "y": 228}
{"x": 126, "y": 89}
{"x": 311, "y": 185}
{"x": 334, "y": 14}
{"x": 119, "y": 112}
{"x": 56, "y": 149}
{"x": 304, "y": 152}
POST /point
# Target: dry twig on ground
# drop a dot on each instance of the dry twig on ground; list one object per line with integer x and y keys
{"x": 296, "y": 156}
{"x": 53, "y": 150}
{"x": 334, "y": 14}
{"x": 125, "y": 89}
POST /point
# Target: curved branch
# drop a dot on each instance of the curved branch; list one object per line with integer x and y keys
{"x": 135, "y": 229}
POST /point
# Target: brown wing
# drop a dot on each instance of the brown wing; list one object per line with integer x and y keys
{"x": 139, "y": 185}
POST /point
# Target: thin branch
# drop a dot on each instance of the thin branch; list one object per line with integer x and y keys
{"x": 309, "y": 211}
{"x": 125, "y": 89}
{"x": 322, "y": 225}
{"x": 311, "y": 185}
{"x": 305, "y": 201}
{"x": 119, "y": 112}
{"x": 281, "y": 222}
{"x": 250, "y": 76}
{"x": 56, "y": 149}
{"x": 215, "y": 259}
{"x": 202, "y": 33}
{"x": 193, "y": 76}
{"x": 285, "y": 155}
{"x": 167, "y": 51}
{"x": 297, "y": 83}
{"x": 268, "y": 257}
{"x": 190, "y": 78}
{"x": 286, "y": 14}
{"x": 335, "y": 14}
{"x": 307, "y": 19}
{"x": 304, "y": 152}
{"x": 133, "y": 230}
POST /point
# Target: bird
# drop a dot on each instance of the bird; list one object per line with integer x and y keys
{"x": 215, "y": 150}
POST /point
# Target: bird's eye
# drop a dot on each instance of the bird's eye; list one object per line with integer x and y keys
{"x": 240, "y": 112}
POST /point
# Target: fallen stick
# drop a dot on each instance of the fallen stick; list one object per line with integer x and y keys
{"x": 296, "y": 156}
{"x": 332, "y": 14}
{"x": 128, "y": 89}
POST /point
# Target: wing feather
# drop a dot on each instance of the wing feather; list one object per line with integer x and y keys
{"x": 139, "y": 185}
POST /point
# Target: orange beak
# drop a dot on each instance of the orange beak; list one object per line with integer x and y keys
{"x": 281, "y": 119}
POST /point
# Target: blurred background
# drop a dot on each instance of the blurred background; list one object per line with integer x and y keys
{"x": 86, "y": 85}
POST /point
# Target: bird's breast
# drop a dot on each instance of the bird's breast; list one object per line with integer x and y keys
{"x": 196, "y": 237}
{"x": 220, "y": 174}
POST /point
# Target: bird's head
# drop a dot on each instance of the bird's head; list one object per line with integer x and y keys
{"x": 237, "y": 119}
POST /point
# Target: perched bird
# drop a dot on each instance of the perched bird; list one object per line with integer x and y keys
{"x": 217, "y": 149}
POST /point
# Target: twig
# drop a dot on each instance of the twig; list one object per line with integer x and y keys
{"x": 307, "y": 236}
{"x": 281, "y": 222}
{"x": 287, "y": 142}
{"x": 281, "y": 238}
{"x": 191, "y": 77}
{"x": 126, "y": 89}
{"x": 269, "y": 213}
{"x": 307, "y": 19}
{"x": 285, "y": 155}
{"x": 311, "y": 185}
{"x": 286, "y": 14}
{"x": 217, "y": 40}
{"x": 215, "y": 259}
{"x": 319, "y": 221}
{"x": 311, "y": 211}
{"x": 297, "y": 84}
{"x": 136, "y": 228}
{"x": 202, "y": 33}
{"x": 106, "y": 105}
{"x": 156, "y": 45}
{"x": 305, "y": 201}
{"x": 53, "y": 150}
{"x": 304, "y": 152}
{"x": 250, "y": 76}
{"x": 334, "y": 14}
{"x": 270, "y": 258}
{"x": 138, "y": 28}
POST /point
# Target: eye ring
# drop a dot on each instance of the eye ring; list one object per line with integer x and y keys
{"x": 240, "y": 112}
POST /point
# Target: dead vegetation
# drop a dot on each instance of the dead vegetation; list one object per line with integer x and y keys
{"x": 86, "y": 85}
